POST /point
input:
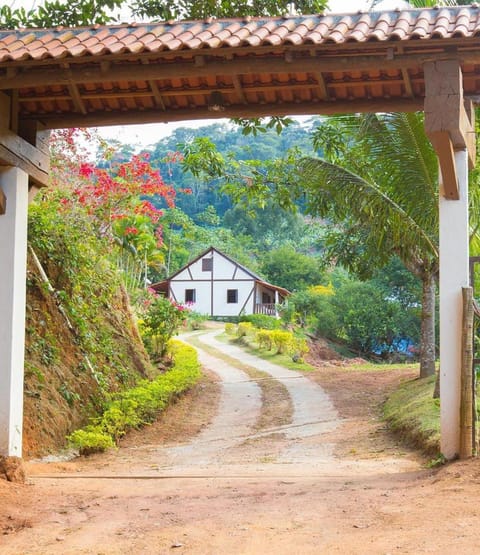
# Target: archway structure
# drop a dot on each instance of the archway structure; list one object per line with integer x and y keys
{"x": 418, "y": 59}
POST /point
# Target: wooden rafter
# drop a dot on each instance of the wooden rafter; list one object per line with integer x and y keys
{"x": 322, "y": 85}
{"x": 3, "y": 203}
{"x": 157, "y": 95}
{"x": 407, "y": 81}
{"x": 237, "y": 85}
{"x": 75, "y": 94}
{"x": 160, "y": 94}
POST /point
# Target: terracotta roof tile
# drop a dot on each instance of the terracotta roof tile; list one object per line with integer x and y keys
{"x": 399, "y": 25}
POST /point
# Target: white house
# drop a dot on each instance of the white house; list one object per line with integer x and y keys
{"x": 216, "y": 285}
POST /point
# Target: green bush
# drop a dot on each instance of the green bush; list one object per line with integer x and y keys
{"x": 195, "y": 320}
{"x": 262, "y": 321}
{"x": 282, "y": 340}
{"x": 297, "y": 348}
{"x": 244, "y": 329}
{"x": 264, "y": 339}
{"x": 161, "y": 321}
{"x": 140, "y": 405}
{"x": 90, "y": 440}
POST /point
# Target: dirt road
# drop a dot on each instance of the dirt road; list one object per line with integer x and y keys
{"x": 256, "y": 460}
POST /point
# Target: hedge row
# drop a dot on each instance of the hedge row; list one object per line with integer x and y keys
{"x": 285, "y": 342}
{"x": 141, "y": 404}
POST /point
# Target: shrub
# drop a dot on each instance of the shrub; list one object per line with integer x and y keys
{"x": 262, "y": 321}
{"x": 195, "y": 320}
{"x": 162, "y": 320}
{"x": 139, "y": 405}
{"x": 244, "y": 329}
{"x": 297, "y": 349}
{"x": 282, "y": 340}
{"x": 91, "y": 440}
{"x": 264, "y": 339}
{"x": 229, "y": 328}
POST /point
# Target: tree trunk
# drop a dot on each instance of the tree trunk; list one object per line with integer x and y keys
{"x": 427, "y": 330}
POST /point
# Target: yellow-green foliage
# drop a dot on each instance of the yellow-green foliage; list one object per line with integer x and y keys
{"x": 324, "y": 290}
{"x": 298, "y": 348}
{"x": 244, "y": 329}
{"x": 264, "y": 339}
{"x": 412, "y": 411}
{"x": 141, "y": 404}
{"x": 229, "y": 328}
{"x": 282, "y": 340}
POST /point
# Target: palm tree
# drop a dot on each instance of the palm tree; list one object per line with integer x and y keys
{"x": 382, "y": 183}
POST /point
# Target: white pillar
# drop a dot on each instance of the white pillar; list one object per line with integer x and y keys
{"x": 13, "y": 258}
{"x": 454, "y": 274}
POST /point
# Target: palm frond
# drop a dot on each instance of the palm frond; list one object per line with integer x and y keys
{"x": 338, "y": 191}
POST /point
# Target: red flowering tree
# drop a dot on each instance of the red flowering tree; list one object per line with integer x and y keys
{"x": 116, "y": 199}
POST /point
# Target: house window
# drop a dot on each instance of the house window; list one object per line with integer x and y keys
{"x": 266, "y": 299}
{"x": 232, "y": 296}
{"x": 207, "y": 264}
{"x": 189, "y": 295}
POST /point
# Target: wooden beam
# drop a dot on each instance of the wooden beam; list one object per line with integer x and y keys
{"x": 76, "y": 98}
{"x": 407, "y": 81}
{"x": 3, "y": 202}
{"x": 157, "y": 95}
{"x": 443, "y": 146}
{"x": 99, "y": 119}
{"x": 467, "y": 411}
{"x": 15, "y": 151}
{"x": 162, "y": 69}
{"x": 5, "y": 112}
{"x": 238, "y": 89}
{"x": 447, "y": 123}
{"x": 322, "y": 85}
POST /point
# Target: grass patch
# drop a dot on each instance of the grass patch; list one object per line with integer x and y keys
{"x": 381, "y": 367}
{"x": 412, "y": 412}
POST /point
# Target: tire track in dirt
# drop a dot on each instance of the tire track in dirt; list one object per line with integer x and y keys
{"x": 238, "y": 412}
{"x": 313, "y": 415}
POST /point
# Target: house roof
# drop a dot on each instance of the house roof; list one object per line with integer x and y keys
{"x": 312, "y": 64}
{"x": 163, "y": 285}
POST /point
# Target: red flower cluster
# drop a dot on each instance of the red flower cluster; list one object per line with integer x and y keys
{"x": 131, "y": 230}
{"x": 110, "y": 195}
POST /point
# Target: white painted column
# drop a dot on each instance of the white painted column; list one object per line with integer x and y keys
{"x": 13, "y": 258}
{"x": 454, "y": 274}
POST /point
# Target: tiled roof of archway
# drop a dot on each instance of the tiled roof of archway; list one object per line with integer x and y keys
{"x": 174, "y": 36}
{"x": 294, "y": 64}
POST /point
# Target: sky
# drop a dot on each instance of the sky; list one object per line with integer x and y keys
{"x": 149, "y": 134}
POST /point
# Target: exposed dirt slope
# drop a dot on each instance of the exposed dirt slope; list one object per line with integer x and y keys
{"x": 62, "y": 387}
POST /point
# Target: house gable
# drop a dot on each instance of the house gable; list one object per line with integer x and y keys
{"x": 216, "y": 285}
